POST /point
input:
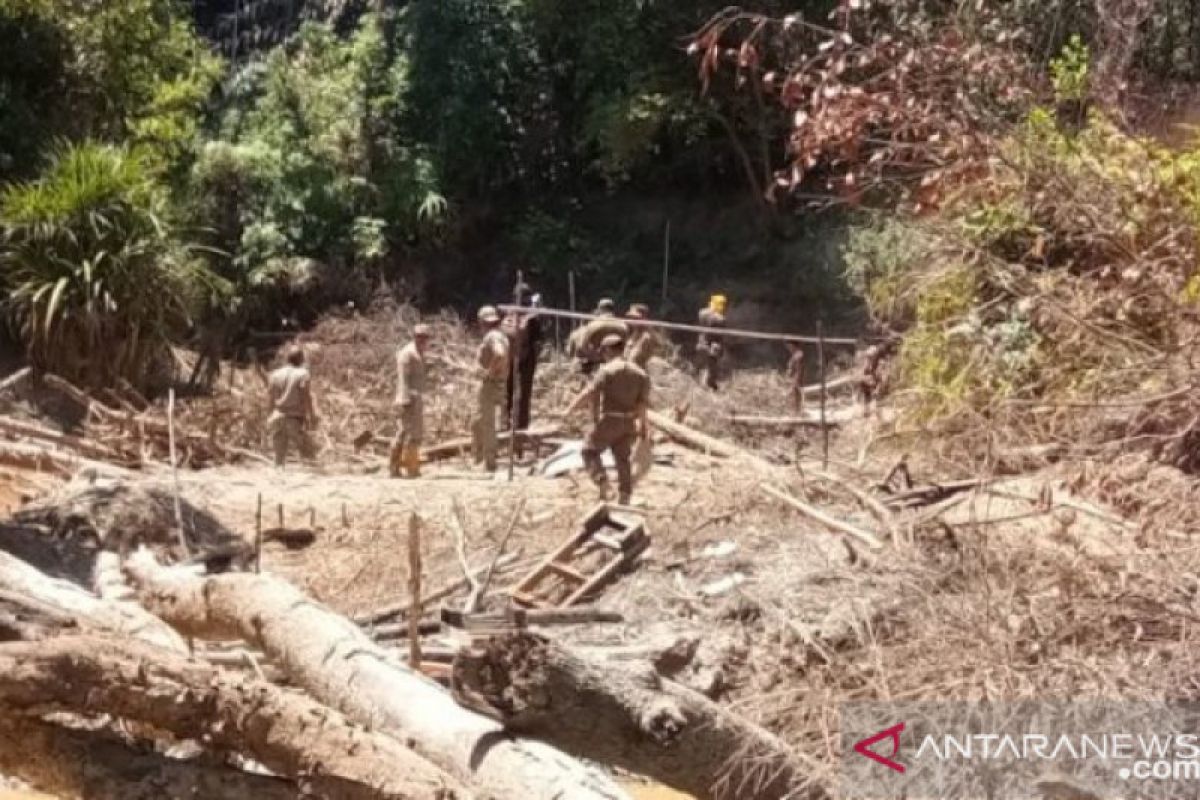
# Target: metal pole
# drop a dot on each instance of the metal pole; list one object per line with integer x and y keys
{"x": 821, "y": 366}
{"x": 514, "y": 352}
{"x": 666, "y": 264}
{"x": 676, "y": 326}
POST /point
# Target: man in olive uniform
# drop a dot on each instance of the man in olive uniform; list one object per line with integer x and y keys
{"x": 644, "y": 342}
{"x": 410, "y": 399}
{"x": 289, "y": 390}
{"x": 710, "y": 347}
{"x": 623, "y": 391}
{"x": 585, "y": 343}
{"x": 493, "y": 365}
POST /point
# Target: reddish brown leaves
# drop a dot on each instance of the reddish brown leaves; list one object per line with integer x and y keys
{"x": 878, "y": 99}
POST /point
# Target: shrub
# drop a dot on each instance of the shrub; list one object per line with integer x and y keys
{"x": 96, "y": 282}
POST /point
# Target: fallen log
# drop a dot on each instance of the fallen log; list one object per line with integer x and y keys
{"x": 695, "y": 439}
{"x": 817, "y": 515}
{"x": 455, "y": 447}
{"x": 782, "y": 422}
{"x": 626, "y": 716}
{"x": 82, "y": 765}
{"x": 338, "y": 664}
{"x": 85, "y": 447}
{"x": 288, "y": 733}
{"x": 10, "y": 382}
{"x": 26, "y": 588}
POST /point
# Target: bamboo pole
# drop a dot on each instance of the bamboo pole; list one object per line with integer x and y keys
{"x": 678, "y": 326}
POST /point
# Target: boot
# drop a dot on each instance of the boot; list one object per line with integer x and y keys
{"x": 395, "y": 459}
{"x": 412, "y": 462}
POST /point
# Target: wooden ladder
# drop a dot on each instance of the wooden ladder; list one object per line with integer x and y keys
{"x": 603, "y": 545}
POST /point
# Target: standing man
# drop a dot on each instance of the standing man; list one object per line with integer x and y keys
{"x": 795, "y": 374}
{"x": 623, "y": 391}
{"x": 525, "y": 334}
{"x": 410, "y": 399}
{"x": 586, "y": 345}
{"x": 289, "y": 390}
{"x": 493, "y": 365}
{"x": 710, "y": 347}
{"x": 644, "y": 342}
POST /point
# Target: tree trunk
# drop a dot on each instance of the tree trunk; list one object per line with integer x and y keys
{"x": 626, "y": 716}
{"x": 84, "y": 765}
{"x": 32, "y": 595}
{"x": 336, "y": 662}
{"x": 288, "y": 733}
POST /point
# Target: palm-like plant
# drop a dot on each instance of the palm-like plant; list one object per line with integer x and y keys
{"x": 96, "y": 282}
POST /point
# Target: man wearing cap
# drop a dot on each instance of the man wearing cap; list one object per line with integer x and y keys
{"x": 289, "y": 390}
{"x": 623, "y": 391}
{"x": 586, "y": 341}
{"x": 710, "y": 347}
{"x": 525, "y": 333}
{"x": 644, "y": 342}
{"x": 493, "y": 365}
{"x": 410, "y": 399}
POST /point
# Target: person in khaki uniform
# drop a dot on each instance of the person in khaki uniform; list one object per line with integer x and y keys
{"x": 493, "y": 363}
{"x": 289, "y": 390}
{"x": 410, "y": 399}
{"x": 623, "y": 391}
{"x": 644, "y": 342}
{"x": 585, "y": 342}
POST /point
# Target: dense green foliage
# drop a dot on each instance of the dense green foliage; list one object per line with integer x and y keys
{"x": 97, "y": 284}
{"x": 452, "y": 142}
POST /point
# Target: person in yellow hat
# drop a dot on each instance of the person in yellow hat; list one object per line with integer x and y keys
{"x": 493, "y": 364}
{"x": 410, "y": 400}
{"x": 710, "y": 347}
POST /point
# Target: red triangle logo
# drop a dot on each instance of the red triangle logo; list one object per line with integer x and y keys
{"x": 892, "y": 733}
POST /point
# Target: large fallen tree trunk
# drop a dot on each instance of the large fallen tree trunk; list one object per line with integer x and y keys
{"x": 288, "y": 733}
{"x": 335, "y": 661}
{"x": 84, "y": 765}
{"x": 26, "y": 591}
{"x": 625, "y": 716}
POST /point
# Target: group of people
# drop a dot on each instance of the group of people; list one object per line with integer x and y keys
{"x": 612, "y": 352}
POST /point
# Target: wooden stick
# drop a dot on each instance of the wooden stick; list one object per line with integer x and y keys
{"x": 15, "y": 378}
{"x": 405, "y": 606}
{"x": 817, "y": 515}
{"x": 175, "y": 471}
{"x": 480, "y": 590}
{"x": 460, "y": 545}
{"x": 676, "y": 326}
{"x": 878, "y": 509}
{"x": 781, "y": 422}
{"x": 258, "y": 539}
{"x": 821, "y": 367}
{"x": 414, "y": 589}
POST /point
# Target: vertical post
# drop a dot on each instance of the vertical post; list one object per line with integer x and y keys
{"x": 258, "y": 536}
{"x": 514, "y": 352}
{"x": 571, "y": 289}
{"x": 414, "y": 591}
{"x": 666, "y": 265}
{"x": 175, "y": 471}
{"x": 279, "y": 509}
{"x": 821, "y": 367}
